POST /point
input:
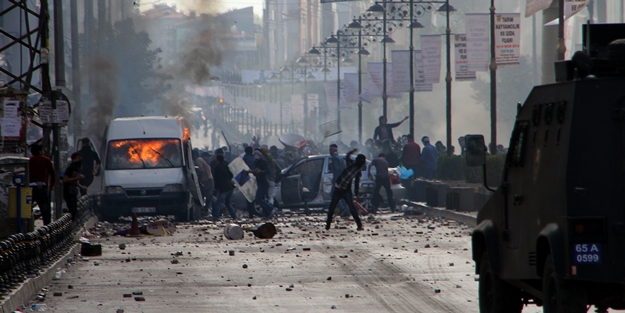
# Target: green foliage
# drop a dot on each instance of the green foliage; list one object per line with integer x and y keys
{"x": 454, "y": 168}
{"x": 450, "y": 167}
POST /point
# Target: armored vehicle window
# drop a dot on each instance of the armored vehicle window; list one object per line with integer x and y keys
{"x": 516, "y": 154}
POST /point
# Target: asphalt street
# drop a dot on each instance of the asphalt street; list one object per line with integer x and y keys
{"x": 397, "y": 264}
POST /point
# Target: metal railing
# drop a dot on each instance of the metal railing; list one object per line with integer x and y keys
{"x": 26, "y": 255}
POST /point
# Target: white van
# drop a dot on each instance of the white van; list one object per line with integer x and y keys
{"x": 148, "y": 169}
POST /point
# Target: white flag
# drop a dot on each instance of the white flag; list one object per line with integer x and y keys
{"x": 533, "y": 6}
{"x": 419, "y": 83}
{"x": 376, "y": 76}
{"x": 401, "y": 70}
{"x": 478, "y": 45}
{"x": 431, "y": 57}
{"x": 462, "y": 73}
{"x": 571, "y": 7}
{"x": 507, "y": 38}
{"x": 351, "y": 87}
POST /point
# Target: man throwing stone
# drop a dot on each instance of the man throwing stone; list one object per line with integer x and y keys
{"x": 343, "y": 186}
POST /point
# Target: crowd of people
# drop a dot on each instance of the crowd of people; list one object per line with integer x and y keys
{"x": 265, "y": 162}
{"x": 79, "y": 174}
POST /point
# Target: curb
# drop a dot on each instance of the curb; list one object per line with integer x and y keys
{"x": 32, "y": 286}
{"x": 468, "y": 218}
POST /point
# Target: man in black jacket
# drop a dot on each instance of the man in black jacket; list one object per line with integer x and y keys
{"x": 224, "y": 186}
{"x": 343, "y": 186}
{"x": 384, "y": 130}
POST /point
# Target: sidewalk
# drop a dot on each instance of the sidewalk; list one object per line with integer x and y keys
{"x": 468, "y": 218}
{"x": 33, "y": 285}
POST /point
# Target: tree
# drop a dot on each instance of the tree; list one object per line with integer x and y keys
{"x": 140, "y": 83}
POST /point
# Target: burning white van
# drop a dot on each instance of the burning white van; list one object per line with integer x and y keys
{"x": 148, "y": 169}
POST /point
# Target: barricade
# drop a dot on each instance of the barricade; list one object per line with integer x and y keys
{"x": 27, "y": 255}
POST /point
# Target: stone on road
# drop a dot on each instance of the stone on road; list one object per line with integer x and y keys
{"x": 377, "y": 270}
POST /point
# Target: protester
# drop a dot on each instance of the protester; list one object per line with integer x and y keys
{"x": 338, "y": 165}
{"x": 271, "y": 175}
{"x": 71, "y": 178}
{"x": 41, "y": 178}
{"x": 462, "y": 144}
{"x": 370, "y": 151}
{"x": 429, "y": 159}
{"x": 384, "y": 130}
{"x": 440, "y": 147}
{"x": 391, "y": 156}
{"x": 205, "y": 177}
{"x": 261, "y": 167}
{"x": 90, "y": 164}
{"x": 224, "y": 187}
{"x": 213, "y": 160}
{"x": 248, "y": 158}
{"x": 343, "y": 188}
{"x": 381, "y": 180}
{"x": 281, "y": 162}
{"x": 411, "y": 156}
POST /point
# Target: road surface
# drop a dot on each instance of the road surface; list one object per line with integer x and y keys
{"x": 396, "y": 265}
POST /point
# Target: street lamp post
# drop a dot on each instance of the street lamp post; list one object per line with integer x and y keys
{"x": 379, "y": 9}
{"x": 493, "y": 82}
{"x": 302, "y": 61}
{"x": 446, "y": 8}
{"x": 448, "y": 78}
{"x": 332, "y": 41}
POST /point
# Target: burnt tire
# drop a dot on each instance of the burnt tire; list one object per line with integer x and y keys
{"x": 561, "y": 295}
{"x": 496, "y": 295}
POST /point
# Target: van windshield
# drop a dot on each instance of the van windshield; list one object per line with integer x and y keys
{"x": 143, "y": 153}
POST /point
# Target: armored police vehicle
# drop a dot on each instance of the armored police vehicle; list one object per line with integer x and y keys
{"x": 553, "y": 233}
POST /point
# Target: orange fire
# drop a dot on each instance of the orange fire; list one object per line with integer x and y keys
{"x": 146, "y": 150}
{"x": 186, "y": 133}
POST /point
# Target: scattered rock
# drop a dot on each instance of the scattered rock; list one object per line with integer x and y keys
{"x": 139, "y": 299}
{"x": 127, "y": 295}
{"x": 175, "y": 261}
{"x": 333, "y": 307}
{"x": 437, "y": 290}
{"x": 122, "y": 246}
{"x": 289, "y": 289}
{"x": 73, "y": 297}
{"x": 329, "y": 278}
{"x": 58, "y": 294}
{"x": 244, "y": 265}
{"x": 427, "y": 246}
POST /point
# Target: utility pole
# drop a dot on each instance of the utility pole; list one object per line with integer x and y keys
{"x": 59, "y": 70}
{"x": 76, "y": 110}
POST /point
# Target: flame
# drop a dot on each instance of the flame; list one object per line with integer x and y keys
{"x": 186, "y": 133}
{"x": 145, "y": 150}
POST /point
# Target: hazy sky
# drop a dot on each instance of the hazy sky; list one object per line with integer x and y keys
{"x": 220, "y": 5}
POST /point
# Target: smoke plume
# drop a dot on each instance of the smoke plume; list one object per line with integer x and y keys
{"x": 204, "y": 49}
{"x": 106, "y": 92}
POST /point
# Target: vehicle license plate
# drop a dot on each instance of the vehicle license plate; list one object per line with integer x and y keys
{"x": 587, "y": 253}
{"x": 144, "y": 210}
